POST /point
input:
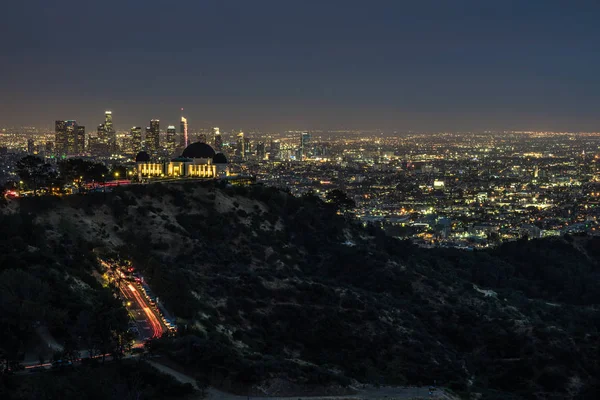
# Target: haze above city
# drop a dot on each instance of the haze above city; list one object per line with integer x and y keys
{"x": 272, "y": 65}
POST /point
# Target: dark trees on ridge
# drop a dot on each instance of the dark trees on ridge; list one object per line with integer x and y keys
{"x": 340, "y": 199}
{"x": 34, "y": 172}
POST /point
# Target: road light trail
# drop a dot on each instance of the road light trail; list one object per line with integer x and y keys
{"x": 131, "y": 293}
{"x": 157, "y": 328}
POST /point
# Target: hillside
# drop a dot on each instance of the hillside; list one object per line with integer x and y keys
{"x": 275, "y": 290}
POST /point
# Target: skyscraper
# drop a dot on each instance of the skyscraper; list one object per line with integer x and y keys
{"x": 136, "y": 139}
{"x": 110, "y": 135}
{"x": 247, "y": 148}
{"x": 304, "y": 145}
{"x": 275, "y": 152}
{"x": 183, "y": 130}
{"x": 79, "y": 139}
{"x": 147, "y": 138}
{"x": 60, "y": 137}
{"x": 71, "y": 137}
{"x": 101, "y": 132}
{"x": 108, "y": 121}
{"x": 239, "y": 150}
{"x": 97, "y": 145}
{"x": 171, "y": 138}
{"x": 68, "y": 136}
{"x": 153, "y": 137}
{"x": 218, "y": 140}
{"x": 213, "y": 136}
{"x": 105, "y": 141}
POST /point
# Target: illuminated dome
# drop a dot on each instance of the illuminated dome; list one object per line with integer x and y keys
{"x": 198, "y": 150}
{"x": 219, "y": 158}
{"x": 142, "y": 156}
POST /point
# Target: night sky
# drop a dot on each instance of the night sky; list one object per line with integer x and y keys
{"x": 291, "y": 64}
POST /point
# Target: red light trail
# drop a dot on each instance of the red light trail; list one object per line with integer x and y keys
{"x": 157, "y": 328}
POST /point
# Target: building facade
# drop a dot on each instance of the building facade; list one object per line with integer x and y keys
{"x": 198, "y": 160}
{"x": 171, "y": 139}
{"x": 183, "y": 130}
{"x": 137, "y": 143}
{"x": 69, "y": 138}
{"x": 153, "y": 138}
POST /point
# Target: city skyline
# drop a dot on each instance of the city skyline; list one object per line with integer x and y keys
{"x": 321, "y": 199}
{"x": 422, "y": 66}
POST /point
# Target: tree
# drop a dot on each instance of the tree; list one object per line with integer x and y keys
{"x": 23, "y": 300}
{"x": 118, "y": 172}
{"x": 97, "y": 172}
{"x": 34, "y": 172}
{"x": 72, "y": 170}
{"x": 78, "y": 170}
{"x": 340, "y": 199}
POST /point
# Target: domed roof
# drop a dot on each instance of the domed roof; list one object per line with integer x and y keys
{"x": 198, "y": 150}
{"x": 219, "y": 158}
{"x": 181, "y": 159}
{"x": 142, "y": 156}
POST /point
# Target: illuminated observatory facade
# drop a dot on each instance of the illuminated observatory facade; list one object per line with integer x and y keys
{"x": 198, "y": 160}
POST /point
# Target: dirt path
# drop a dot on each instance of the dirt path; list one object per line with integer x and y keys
{"x": 370, "y": 393}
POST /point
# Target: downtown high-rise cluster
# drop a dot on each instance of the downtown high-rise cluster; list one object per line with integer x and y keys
{"x": 71, "y": 138}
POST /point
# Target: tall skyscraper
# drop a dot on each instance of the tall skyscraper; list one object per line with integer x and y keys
{"x": 212, "y": 136}
{"x": 105, "y": 141}
{"x": 79, "y": 139}
{"x": 218, "y": 141}
{"x": 239, "y": 150}
{"x": 275, "y": 152}
{"x": 71, "y": 134}
{"x": 171, "y": 138}
{"x": 101, "y": 133}
{"x": 68, "y": 138}
{"x": 183, "y": 130}
{"x": 304, "y": 145}
{"x": 153, "y": 137}
{"x": 110, "y": 135}
{"x": 136, "y": 139}
{"x": 98, "y": 145}
{"x": 147, "y": 138}
{"x": 247, "y": 148}
{"x": 108, "y": 121}
{"x": 60, "y": 137}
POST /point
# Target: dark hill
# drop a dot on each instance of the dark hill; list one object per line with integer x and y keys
{"x": 268, "y": 286}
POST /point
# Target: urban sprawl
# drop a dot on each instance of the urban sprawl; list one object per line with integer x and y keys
{"x": 466, "y": 190}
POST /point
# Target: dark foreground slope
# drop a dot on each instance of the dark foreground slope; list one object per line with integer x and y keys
{"x": 270, "y": 288}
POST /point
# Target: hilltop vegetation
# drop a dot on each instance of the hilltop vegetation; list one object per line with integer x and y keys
{"x": 273, "y": 288}
{"x": 45, "y": 280}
